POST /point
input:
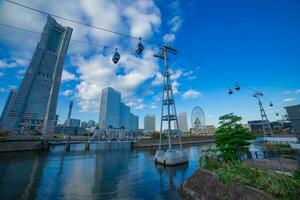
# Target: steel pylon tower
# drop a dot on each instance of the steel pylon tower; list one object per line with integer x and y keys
{"x": 168, "y": 109}
{"x": 267, "y": 129}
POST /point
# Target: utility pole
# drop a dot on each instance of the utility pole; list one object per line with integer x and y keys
{"x": 264, "y": 119}
{"x": 168, "y": 102}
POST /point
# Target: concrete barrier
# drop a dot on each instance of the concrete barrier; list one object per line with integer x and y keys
{"x": 24, "y": 145}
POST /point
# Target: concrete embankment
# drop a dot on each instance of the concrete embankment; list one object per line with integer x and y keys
{"x": 23, "y": 145}
{"x": 185, "y": 142}
{"x": 204, "y": 184}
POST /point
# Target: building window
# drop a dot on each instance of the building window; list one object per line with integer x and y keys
{"x": 53, "y": 41}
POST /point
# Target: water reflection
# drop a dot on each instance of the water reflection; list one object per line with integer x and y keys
{"x": 96, "y": 174}
{"x": 171, "y": 173}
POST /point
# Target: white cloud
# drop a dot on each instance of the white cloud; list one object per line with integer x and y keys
{"x": 169, "y": 38}
{"x": 158, "y": 79}
{"x": 143, "y": 18}
{"x": 99, "y": 72}
{"x": 287, "y": 92}
{"x": 175, "y": 86}
{"x": 175, "y": 23}
{"x": 13, "y": 63}
{"x": 191, "y": 94}
{"x": 175, "y": 74}
{"x": 67, "y": 76}
{"x": 153, "y": 106}
{"x": 67, "y": 93}
{"x": 288, "y": 99}
{"x": 135, "y": 103}
{"x": 297, "y": 91}
{"x": 2, "y": 89}
{"x": 96, "y": 70}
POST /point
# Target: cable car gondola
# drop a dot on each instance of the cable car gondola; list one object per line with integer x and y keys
{"x": 271, "y": 104}
{"x": 230, "y": 92}
{"x": 237, "y": 87}
{"x": 140, "y": 47}
{"x": 277, "y": 114}
{"x": 116, "y": 57}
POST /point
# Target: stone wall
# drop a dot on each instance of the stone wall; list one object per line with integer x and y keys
{"x": 204, "y": 185}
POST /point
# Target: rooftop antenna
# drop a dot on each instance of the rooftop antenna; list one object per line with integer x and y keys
{"x": 267, "y": 129}
{"x": 169, "y": 115}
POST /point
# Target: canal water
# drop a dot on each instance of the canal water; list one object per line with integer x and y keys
{"x": 96, "y": 174}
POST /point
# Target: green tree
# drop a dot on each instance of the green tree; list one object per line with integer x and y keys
{"x": 232, "y": 139}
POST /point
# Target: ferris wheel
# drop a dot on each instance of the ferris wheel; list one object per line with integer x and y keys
{"x": 197, "y": 118}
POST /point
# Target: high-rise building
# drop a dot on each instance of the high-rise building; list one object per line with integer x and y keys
{"x": 110, "y": 108}
{"x": 8, "y": 105}
{"x": 182, "y": 122}
{"x": 149, "y": 123}
{"x": 91, "y": 123}
{"x": 34, "y": 105}
{"x": 114, "y": 113}
{"x": 293, "y": 113}
{"x": 84, "y": 124}
{"x": 125, "y": 116}
{"x": 134, "y": 122}
{"x": 70, "y": 109}
{"x": 74, "y": 123}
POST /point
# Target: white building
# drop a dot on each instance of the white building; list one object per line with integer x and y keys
{"x": 114, "y": 113}
{"x": 149, "y": 123}
{"x": 183, "y": 122}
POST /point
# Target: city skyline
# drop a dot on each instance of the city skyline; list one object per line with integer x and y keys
{"x": 219, "y": 45}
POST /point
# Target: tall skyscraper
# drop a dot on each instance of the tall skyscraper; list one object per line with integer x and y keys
{"x": 34, "y": 107}
{"x": 70, "y": 110}
{"x": 149, "y": 123}
{"x": 114, "y": 113}
{"x": 110, "y": 108}
{"x": 8, "y": 104}
{"x": 182, "y": 122}
{"x": 125, "y": 116}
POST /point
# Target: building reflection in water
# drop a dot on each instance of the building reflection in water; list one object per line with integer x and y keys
{"x": 169, "y": 190}
{"x": 20, "y": 174}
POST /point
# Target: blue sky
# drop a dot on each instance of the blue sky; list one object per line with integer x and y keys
{"x": 254, "y": 42}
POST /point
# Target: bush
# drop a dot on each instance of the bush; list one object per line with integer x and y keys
{"x": 5, "y": 133}
{"x": 278, "y": 185}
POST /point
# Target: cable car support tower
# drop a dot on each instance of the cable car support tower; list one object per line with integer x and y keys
{"x": 169, "y": 115}
{"x": 267, "y": 129}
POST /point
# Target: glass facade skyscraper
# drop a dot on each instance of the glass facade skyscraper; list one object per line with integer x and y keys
{"x": 36, "y": 98}
{"x": 114, "y": 113}
{"x": 149, "y": 123}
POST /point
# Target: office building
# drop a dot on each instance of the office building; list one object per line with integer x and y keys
{"x": 125, "y": 116}
{"x": 114, "y": 113}
{"x": 84, "y": 124}
{"x": 74, "y": 123}
{"x": 36, "y": 97}
{"x": 91, "y": 123}
{"x": 110, "y": 108}
{"x": 134, "y": 122}
{"x": 8, "y": 105}
{"x": 149, "y": 123}
{"x": 182, "y": 122}
{"x": 293, "y": 113}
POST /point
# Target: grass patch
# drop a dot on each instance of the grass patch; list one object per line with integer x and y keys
{"x": 278, "y": 185}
